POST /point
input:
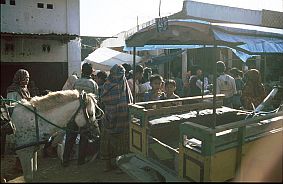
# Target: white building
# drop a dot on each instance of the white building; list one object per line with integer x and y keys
{"x": 42, "y": 37}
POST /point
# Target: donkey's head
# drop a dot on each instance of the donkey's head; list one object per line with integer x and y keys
{"x": 91, "y": 112}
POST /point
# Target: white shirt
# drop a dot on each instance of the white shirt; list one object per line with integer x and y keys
{"x": 145, "y": 87}
{"x": 88, "y": 85}
{"x": 225, "y": 84}
{"x": 130, "y": 82}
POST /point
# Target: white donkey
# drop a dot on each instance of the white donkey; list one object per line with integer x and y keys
{"x": 37, "y": 119}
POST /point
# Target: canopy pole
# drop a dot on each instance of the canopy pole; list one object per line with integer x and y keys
{"x": 202, "y": 91}
{"x": 264, "y": 70}
{"x": 214, "y": 86}
{"x": 134, "y": 75}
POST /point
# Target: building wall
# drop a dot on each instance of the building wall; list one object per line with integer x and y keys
{"x": 73, "y": 16}
{"x": 32, "y": 50}
{"x": 49, "y": 61}
{"x": 26, "y": 17}
{"x": 222, "y": 13}
{"x": 74, "y": 57}
{"x": 42, "y": 50}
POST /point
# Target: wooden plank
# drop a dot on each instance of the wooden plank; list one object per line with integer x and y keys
{"x": 246, "y": 122}
{"x": 239, "y": 153}
{"x": 186, "y": 108}
{"x": 164, "y": 145}
{"x": 250, "y": 131}
{"x": 135, "y": 106}
{"x": 186, "y": 99}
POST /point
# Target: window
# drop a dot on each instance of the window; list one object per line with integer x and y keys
{"x": 40, "y": 5}
{"x": 49, "y": 6}
{"x": 46, "y": 48}
{"x": 2, "y": 2}
{"x": 12, "y": 2}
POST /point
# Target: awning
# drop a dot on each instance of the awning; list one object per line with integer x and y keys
{"x": 243, "y": 56}
{"x": 252, "y": 40}
{"x": 104, "y": 58}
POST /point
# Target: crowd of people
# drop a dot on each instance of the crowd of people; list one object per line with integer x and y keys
{"x": 115, "y": 91}
{"x": 242, "y": 91}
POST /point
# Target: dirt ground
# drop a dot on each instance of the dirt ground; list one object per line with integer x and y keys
{"x": 50, "y": 170}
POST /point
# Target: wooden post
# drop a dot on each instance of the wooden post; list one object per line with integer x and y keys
{"x": 239, "y": 155}
{"x": 214, "y": 86}
{"x": 134, "y": 75}
{"x": 202, "y": 92}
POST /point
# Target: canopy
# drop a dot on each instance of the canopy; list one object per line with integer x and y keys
{"x": 252, "y": 40}
{"x": 242, "y": 55}
{"x": 104, "y": 58}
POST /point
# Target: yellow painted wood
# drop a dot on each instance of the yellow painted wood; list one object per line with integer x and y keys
{"x": 181, "y": 158}
{"x": 192, "y": 170}
{"x": 161, "y": 152}
{"x": 137, "y": 140}
{"x": 223, "y": 165}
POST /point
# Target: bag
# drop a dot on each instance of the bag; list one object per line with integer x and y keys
{"x": 7, "y": 127}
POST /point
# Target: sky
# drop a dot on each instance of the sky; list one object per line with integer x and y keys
{"x": 106, "y": 18}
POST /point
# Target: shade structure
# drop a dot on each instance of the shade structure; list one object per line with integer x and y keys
{"x": 249, "y": 39}
{"x": 178, "y": 32}
{"x": 104, "y": 58}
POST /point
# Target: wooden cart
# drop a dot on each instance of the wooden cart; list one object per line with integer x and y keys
{"x": 175, "y": 142}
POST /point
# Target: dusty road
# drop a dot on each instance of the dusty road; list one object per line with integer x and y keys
{"x": 50, "y": 170}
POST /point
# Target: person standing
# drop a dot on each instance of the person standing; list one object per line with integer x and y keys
{"x": 236, "y": 73}
{"x": 19, "y": 88}
{"x": 170, "y": 88}
{"x": 225, "y": 84}
{"x": 156, "y": 92}
{"x": 138, "y": 77}
{"x": 69, "y": 84}
{"x": 17, "y": 91}
{"x": 179, "y": 84}
{"x": 101, "y": 77}
{"x": 87, "y": 84}
{"x": 188, "y": 74}
{"x": 115, "y": 132}
{"x": 145, "y": 86}
{"x": 128, "y": 68}
{"x": 195, "y": 84}
{"x": 253, "y": 91}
